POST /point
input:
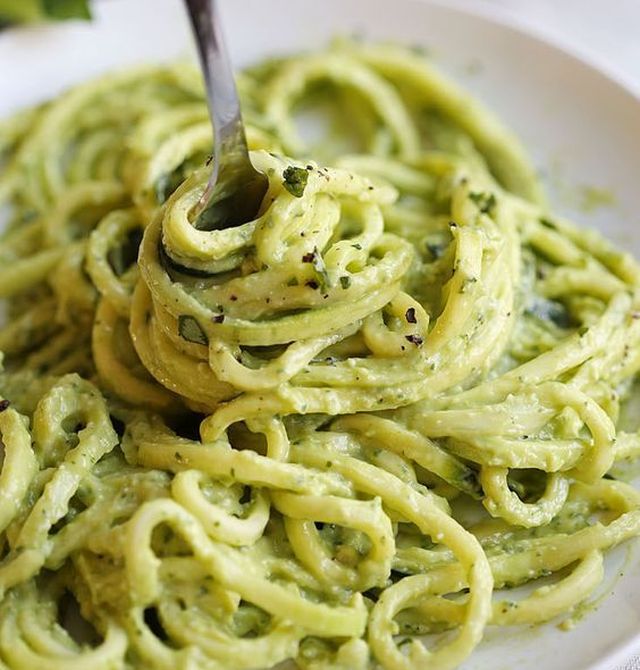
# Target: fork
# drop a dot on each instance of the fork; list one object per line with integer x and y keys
{"x": 235, "y": 189}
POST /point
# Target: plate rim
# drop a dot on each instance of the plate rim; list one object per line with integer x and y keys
{"x": 581, "y": 56}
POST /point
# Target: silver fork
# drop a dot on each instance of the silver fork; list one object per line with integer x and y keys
{"x": 235, "y": 188}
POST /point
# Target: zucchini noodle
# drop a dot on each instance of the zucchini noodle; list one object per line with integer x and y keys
{"x": 331, "y": 434}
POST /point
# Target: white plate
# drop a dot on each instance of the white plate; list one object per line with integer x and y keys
{"x": 582, "y": 128}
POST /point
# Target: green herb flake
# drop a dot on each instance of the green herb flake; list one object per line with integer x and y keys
{"x": 545, "y": 309}
{"x": 593, "y": 198}
{"x": 322, "y": 276}
{"x": 467, "y": 283}
{"x": 345, "y": 281}
{"x": 295, "y": 180}
{"x": 122, "y": 257}
{"x": 436, "y": 249}
{"x": 414, "y": 339}
{"x": 25, "y": 11}
{"x": 190, "y": 330}
{"x": 486, "y": 201}
{"x": 168, "y": 182}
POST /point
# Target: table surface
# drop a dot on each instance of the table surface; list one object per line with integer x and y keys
{"x": 603, "y": 32}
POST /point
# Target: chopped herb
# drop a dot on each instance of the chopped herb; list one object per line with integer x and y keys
{"x": 315, "y": 257}
{"x": 436, "y": 249}
{"x": 470, "y": 484}
{"x": 167, "y": 183}
{"x": 218, "y": 318}
{"x": 551, "y": 310}
{"x": 467, "y": 282}
{"x": 295, "y": 180}
{"x": 410, "y": 315}
{"x": 293, "y": 281}
{"x": 357, "y": 246}
{"x": 125, "y": 255}
{"x": 179, "y": 457}
{"x": 547, "y": 223}
{"x": 57, "y": 10}
{"x": 414, "y": 339}
{"x": 190, "y": 330}
{"x": 345, "y": 281}
{"x": 67, "y": 9}
{"x": 4, "y": 404}
{"x": 233, "y": 298}
{"x": 312, "y": 283}
{"x": 486, "y": 201}
{"x": 420, "y": 50}
{"x": 172, "y": 267}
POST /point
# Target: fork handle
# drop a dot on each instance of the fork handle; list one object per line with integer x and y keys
{"x": 222, "y": 95}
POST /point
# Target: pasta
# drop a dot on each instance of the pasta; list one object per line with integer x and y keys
{"x": 339, "y": 433}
